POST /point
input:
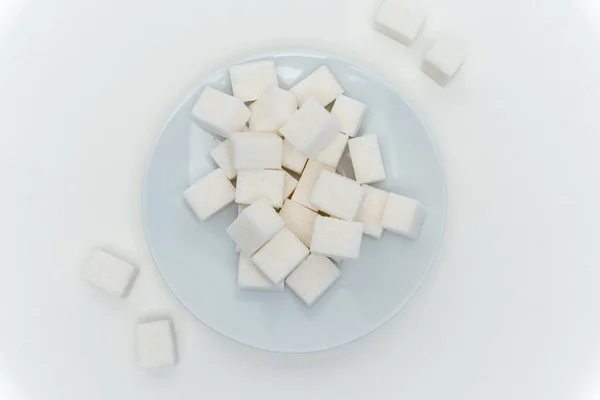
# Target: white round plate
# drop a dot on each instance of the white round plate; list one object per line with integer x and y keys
{"x": 198, "y": 260}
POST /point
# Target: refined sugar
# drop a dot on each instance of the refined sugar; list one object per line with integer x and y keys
{"x": 250, "y": 278}
{"x": 249, "y": 81}
{"x": 109, "y": 273}
{"x": 307, "y": 182}
{"x": 210, "y": 194}
{"x": 289, "y": 185}
{"x": 371, "y": 211}
{"x": 220, "y": 113}
{"x": 400, "y": 21}
{"x": 403, "y": 215}
{"x": 241, "y": 207}
{"x": 337, "y": 196}
{"x": 272, "y": 110}
{"x": 312, "y": 278}
{"x": 155, "y": 343}
{"x": 366, "y": 159}
{"x": 443, "y": 60}
{"x": 280, "y": 256}
{"x": 254, "y": 184}
{"x": 255, "y": 226}
{"x": 321, "y": 86}
{"x": 299, "y": 220}
{"x": 331, "y": 154}
{"x": 257, "y": 150}
{"x": 310, "y": 129}
{"x": 223, "y": 156}
{"x": 349, "y": 113}
{"x": 334, "y": 237}
{"x": 292, "y": 158}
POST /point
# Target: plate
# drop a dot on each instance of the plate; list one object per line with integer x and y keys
{"x": 198, "y": 260}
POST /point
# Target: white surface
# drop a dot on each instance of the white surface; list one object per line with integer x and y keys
{"x": 292, "y": 158}
{"x": 332, "y": 153}
{"x": 321, "y": 86}
{"x": 349, "y": 113}
{"x": 299, "y": 220}
{"x": 220, "y": 113}
{"x": 336, "y": 238}
{"x": 250, "y": 278}
{"x": 249, "y": 81}
{"x": 366, "y": 159}
{"x": 312, "y": 278}
{"x": 222, "y": 155}
{"x": 307, "y": 181}
{"x": 510, "y": 310}
{"x": 255, "y": 226}
{"x": 257, "y": 150}
{"x": 337, "y": 195}
{"x": 371, "y": 211}
{"x": 255, "y": 184}
{"x": 210, "y": 194}
{"x": 109, "y": 273}
{"x": 155, "y": 344}
{"x": 272, "y": 110}
{"x": 280, "y": 256}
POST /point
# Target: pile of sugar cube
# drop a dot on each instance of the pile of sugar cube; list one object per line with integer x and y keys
{"x": 297, "y": 217}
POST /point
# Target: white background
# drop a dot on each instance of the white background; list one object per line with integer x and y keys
{"x": 511, "y": 309}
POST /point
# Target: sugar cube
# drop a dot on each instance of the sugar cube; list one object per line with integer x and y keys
{"x": 210, "y": 194}
{"x": 220, "y": 113}
{"x": 310, "y": 129}
{"x": 349, "y": 113}
{"x": 109, "y": 273}
{"x": 366, "y": 159}
{"x": 255, "y": 226}
{"x": 334, "y": 237}
{"x": 289, "y": 185}
{"x": 403, "y": 215}
{"x": 371, "y": 211}
{"x": 249, "y": 81}
{"x": 307, "y": 182}
{"x": 240, "y": 208}
{"x": 250, "y": 278}
{"x": 292, "y": 159}
{"x": 257, "y": 150}
{"x": 254, "y": 184}
{"x": 312, "y": 278}
{"x": 332, "y": 154}
{"x": 223, "y": 156}
{"x": 336, "y": 195}
{"x": 155, "y": 343}
{"x": 400, "y": 21}
{"x": 299, "y": 220}
{"x": 443, "y": 60}
{"x": 272, "y": 110}
{"x": 321, "y": 85}
{"x": 280, "y": 256}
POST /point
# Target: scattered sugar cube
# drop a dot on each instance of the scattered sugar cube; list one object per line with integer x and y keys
{"x": 371, "y": 211}
{"x": 223, "y": 156}
{"x": 334, "y": 237}
{"x": 321, "y": 85}
{"x": 257, "y": 150}
{"x": 289, "y": 185}
{"x": 400, "y": 21}
{"x": 220, "y": 113}
{"x": 292, "y": 158}
{"x": 310, "y": 129}
{"x": 249, "y": 81}
{"x": 280, "y": 256}
{"x": 403, "y": 215}
{"x": 252, "y": 185}
{"x": 250, "y": 278}
{"x": 155, "y": 342}
{"x": 312, "y": 278}
{"x": 332, "y": 154}
{"x": 366, "y": 159}
{"x": 336, "y": 195}
{"x": 443, "y": 60}
{"x": 210, "y": 194}
{"x": 307, "y": 182}
{"x": 255, "y": 226}
{"x": 299, "y": 220}
{"x": 272, "y": 110}
{"x": 109, "y": 273}
{"x": 349, "y": 113}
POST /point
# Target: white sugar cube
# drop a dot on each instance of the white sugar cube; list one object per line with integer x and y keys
{"x": 109, "y": 273}
{"x": 337, "y": 196}
{"x": 210, "y": 194}
{"x": 403, "y": 215}
{"x": 249, "y": 81}
{"x": 280, "y": 256}
{"x": 299, "y": 220}
{"x": 443, "y": 60}
{"x": 312, "y": 278}
{"x": 371, "y": 211}
{"x": 349, "y": 113}
{"x": 272, "y": 110}
{"x": 223, "y": 156}
{"x": 289, "y": 185}
{"x": 241, "y": 207}
{"x": 254, "y": 184}
{"x": 257, "y": 150}
{"x": 332, "y": 154}
{"x": 337, "y": 238}
{"x": 400, "y": 21}
{"x": 292, "y": 158}
{"x": 220, "y": 113}
{"x": 310, "y": 129}
{"x": 321, "y": 85}
{"x": 255, "y": 226}
{"x": 155, "y": 343}
{"x": 366, "y": 159}
{"x": 307, "y": 182}
{"x": 250, "y": 278}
